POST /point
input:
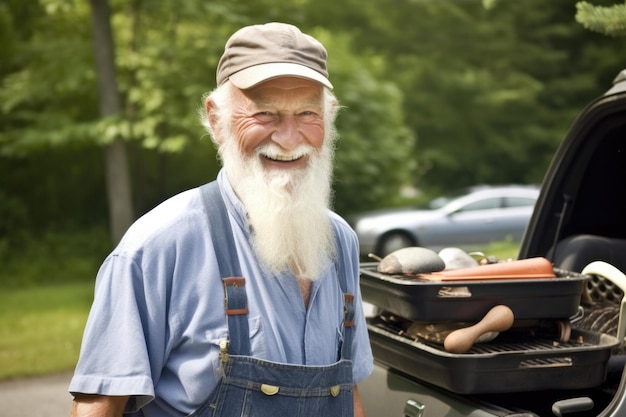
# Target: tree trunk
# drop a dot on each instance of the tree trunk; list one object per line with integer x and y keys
{"x": 116, "y": 163}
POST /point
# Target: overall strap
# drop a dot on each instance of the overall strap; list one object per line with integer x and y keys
{"x": 348, "y": 300}
{"x": 235, "y": 299}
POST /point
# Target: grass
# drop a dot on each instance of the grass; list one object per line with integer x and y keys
{"x": 506, "y": 249}
{"x": 41, "y": 328}
{"x": 46, "y": 288}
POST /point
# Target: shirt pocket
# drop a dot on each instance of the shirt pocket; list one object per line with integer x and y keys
{"x": 258, "y": 344}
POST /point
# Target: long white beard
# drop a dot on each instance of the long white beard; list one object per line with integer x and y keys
{"x": 287, "y": 210}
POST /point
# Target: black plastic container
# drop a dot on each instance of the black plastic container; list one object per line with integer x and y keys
{"x": 502, "y": 366}
{"x": 469, "y": 301}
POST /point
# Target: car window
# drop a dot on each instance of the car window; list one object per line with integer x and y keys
{"x": 439, "y": 202}
{"x": 486, "y": 204}
{"x": 518, "y": 202}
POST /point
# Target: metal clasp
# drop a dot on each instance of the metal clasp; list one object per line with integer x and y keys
{"x": 224, "y": 350}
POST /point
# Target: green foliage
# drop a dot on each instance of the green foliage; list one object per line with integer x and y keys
{"x": 374, "y": 141}
{"x": 13, "y": 215}
{"x": 489, "y": 91}
{"x": 52, "y": 257}
{"x": 47, "y": 97}
{"x": 50, "y": 187}
{"x": 609, "y": 21}
{"x": 437, "y": 95}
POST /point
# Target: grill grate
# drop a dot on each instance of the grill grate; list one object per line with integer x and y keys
{"x": 517, "y": 340}
{"x": 532, "y": 345}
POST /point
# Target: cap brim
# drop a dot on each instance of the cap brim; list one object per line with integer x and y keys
{"x": 249, "y": 77}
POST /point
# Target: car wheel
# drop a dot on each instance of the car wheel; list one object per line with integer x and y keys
{"x": 394, "y": 241}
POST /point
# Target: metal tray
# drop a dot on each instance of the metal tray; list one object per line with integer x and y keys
{"x": 511, "y": 363}
{"x": 469, "y": 301}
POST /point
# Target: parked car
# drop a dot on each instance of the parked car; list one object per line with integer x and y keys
{"x": 468, "y": 219}
{"x": 579, "y": 218}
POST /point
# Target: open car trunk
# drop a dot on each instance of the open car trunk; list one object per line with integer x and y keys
{"x": 579, "y": 218}
{"x": 583, "y": 192}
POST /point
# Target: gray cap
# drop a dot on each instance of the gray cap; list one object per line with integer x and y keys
{"x": 259, "y": 53}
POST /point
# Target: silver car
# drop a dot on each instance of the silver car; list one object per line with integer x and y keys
{"x": 467, "y": 219}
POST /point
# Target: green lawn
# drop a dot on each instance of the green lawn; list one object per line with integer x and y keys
{"x": 41, "y": 328}
{"x": 504, "y": 250}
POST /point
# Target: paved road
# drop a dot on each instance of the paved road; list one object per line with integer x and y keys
{"x": 45, "y": 396}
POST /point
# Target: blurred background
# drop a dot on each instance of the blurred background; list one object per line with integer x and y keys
{"x": 437, "y": 95}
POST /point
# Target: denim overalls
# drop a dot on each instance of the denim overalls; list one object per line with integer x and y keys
{"x": 259, "y": 388}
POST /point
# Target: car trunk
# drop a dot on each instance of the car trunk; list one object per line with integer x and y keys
{"x": 583, "y": 190}
{"x": 580, "y": 217}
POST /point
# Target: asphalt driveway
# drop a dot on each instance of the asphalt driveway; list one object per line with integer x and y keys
{"x": 45, "y": 396}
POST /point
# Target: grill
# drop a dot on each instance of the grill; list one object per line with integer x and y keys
{"x": 406, "y": 296}
{"x": 521, "y": 359}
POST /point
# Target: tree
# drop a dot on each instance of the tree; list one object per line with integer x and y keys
{"x": 610, "y": 21}
{"x": 118, "y": 180}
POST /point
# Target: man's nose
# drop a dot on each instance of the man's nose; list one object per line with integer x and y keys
{"x": 287, "y": 134}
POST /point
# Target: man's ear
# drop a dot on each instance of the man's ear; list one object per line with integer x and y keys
{"x": 211, "y": 113}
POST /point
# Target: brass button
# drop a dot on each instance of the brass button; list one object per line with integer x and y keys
{"x": 334, "y": 391}
{"x": 269, "y": 389}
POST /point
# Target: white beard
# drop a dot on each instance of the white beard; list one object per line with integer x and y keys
{"x": 287, "y": 209}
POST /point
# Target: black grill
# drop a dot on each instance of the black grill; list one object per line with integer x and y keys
{"x": 518, "y": 360}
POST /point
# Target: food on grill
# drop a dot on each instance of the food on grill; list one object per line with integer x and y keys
{"x": 456, "y": 258}
{"x": 498, "y": 319}
{"x": 411, "y": 260}
{"x": 531, "y": 268}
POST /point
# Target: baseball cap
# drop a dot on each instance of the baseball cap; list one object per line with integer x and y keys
{"x": 259, "y": 53}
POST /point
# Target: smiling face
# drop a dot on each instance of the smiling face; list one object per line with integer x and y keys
{"x": 276, "y": 142}
{"x": 280, "y": 121}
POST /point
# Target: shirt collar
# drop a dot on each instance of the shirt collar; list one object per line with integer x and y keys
{"x": 233, "y": 204}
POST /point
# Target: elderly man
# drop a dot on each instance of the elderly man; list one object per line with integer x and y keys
{"x": 241, "y": 297}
